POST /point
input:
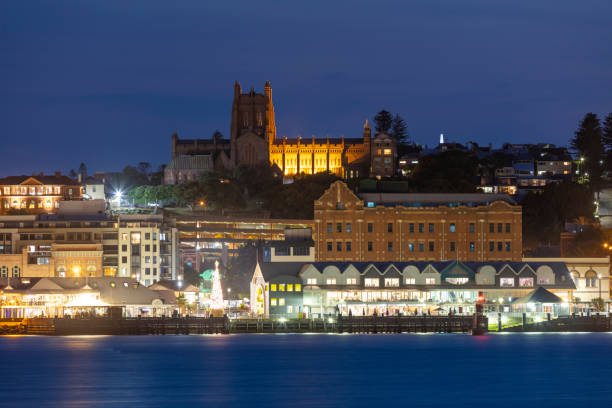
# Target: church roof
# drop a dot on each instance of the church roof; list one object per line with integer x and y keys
{"x": 188, "y": 162}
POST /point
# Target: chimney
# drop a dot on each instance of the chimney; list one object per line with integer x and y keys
{"x": 41, "y": 174}
{"x": 58, "y": 173}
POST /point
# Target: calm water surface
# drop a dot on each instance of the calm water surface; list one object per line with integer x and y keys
{"x": 543, "y": 370}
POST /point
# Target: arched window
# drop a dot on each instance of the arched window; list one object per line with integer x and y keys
{"x": 591, "y": 279}
{"x": 61, "y": 271}
{"x": 91, "y": 270}
{"x": 16, "y": 271}
{"x": 3, "y": 271}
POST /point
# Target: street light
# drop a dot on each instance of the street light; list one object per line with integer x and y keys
{"x": 229, "y": 290}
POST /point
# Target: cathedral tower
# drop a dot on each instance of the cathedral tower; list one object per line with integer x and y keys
{"x": 252, "y": 129}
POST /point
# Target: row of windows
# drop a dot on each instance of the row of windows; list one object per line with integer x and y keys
{"x": 33, "y": 190}
{"x": 134, "y": 237}
{"x": 147, "y": 248}
{"x": 420, "y": 246}
{"x": 421, "y": 227}
{"x": 147, "y": 259}
{"x": 289, "y": 287}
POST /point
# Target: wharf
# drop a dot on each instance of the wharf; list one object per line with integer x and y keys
{"x": 223, "y": 325}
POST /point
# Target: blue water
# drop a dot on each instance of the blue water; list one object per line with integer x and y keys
{"x": 437, "y": 370}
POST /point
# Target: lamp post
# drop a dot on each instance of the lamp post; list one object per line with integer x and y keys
{"x": 229, "y": 290}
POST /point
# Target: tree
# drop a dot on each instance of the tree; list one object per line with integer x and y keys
{"x": 607, "y": 140}
{"x": 588, "y": 243}
{"x": 399, "y": 129}
{"x": 599, "y": 304}
{"x": 145, "y": 169}
{"x": 83, "y": 171}
{"x": 383, "y": 121}
{"x": 217, "y": 135}
{"x": 545, "y": 213}
{"x": 452, "y": 171}
{"x": 588, "y": 142}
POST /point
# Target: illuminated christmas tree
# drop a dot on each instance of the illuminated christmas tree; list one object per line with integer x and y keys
{"x": 216, "y": 296}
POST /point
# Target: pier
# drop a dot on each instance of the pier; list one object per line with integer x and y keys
{"x": 223, "y": 325}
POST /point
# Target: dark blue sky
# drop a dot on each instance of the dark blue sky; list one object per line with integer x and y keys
{"x": 107, "y": 82}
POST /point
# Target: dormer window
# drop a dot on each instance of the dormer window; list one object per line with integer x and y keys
{"x": 339, "y": 206}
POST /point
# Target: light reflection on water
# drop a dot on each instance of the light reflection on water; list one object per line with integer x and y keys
{"x": 555, "y": 370}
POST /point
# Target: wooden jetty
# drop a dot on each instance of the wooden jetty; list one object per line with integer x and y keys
{"x": 223, "y": 325}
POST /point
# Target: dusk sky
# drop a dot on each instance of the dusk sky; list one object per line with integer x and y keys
{"x": 108, "y": 82}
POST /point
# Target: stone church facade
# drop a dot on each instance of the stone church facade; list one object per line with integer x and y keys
{"x": 253, "y": 141}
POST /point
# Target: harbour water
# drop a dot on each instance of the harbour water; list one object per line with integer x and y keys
{"x": 435, "y": 370}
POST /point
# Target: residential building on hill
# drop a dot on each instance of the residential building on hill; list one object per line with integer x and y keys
{"x": 37, "y": 194}
{"x": 415, "y": 227}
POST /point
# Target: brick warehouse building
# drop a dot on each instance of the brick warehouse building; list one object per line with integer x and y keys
{"x": 416, "y": 227}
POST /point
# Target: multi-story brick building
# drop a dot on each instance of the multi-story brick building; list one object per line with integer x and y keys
{"x": 416, "y": 227}
{"x": 37, "y": 194}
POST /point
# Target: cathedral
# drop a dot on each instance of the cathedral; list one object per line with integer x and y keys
{"x": 253, "y": 140}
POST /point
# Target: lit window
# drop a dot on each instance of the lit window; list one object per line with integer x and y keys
{"x": 526, "y": 282}
{"x": 281, "y": 287}
{"x": 452, "y": 227}
{"x": 298, "y": 287}
{"x": 289, "y": 309}
{"x": 371, "y": 282}
{"x": 387, "y": 152}
{"x": 506, "y": 282}
{"x": 430, "y": 281}
{"x": 392, "y": 282}
{"x": 410, "y": 281}
{"x": 351, "y": 281}
{"x": 331, "y": 281}
{"x": 273, "y": 302}
{"x": 289, "y": 287}
{"x": 273, "y": 287}
{"x": 281, "y": 301}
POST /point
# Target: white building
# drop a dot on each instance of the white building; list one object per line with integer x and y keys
{"x": 591, "y": 277}
{"x": 139, "y": 247}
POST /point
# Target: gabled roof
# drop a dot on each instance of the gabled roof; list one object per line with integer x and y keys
{"x": 175, "y": 285}
{"x": 540, "y": 295}
{"x": 45, "y": 180}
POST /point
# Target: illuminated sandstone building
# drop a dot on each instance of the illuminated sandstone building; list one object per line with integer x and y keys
{"x": 416, "y": 227}
{"x": 253, "y": 140}
{"x": 37, "y": 194}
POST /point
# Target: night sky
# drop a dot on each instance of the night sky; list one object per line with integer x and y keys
{"x": 108, "y": 82}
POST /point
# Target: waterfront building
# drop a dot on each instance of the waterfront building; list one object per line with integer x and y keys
{"x": 382, "y": 288}
{"x": 415, "y": 227}
{"x": 37, "y": 194}
{"x": 40, "y": 244}
{"x": 40, "y": 233}
{"x": 590, "y": 275}
{"x": 55, "y": 260}
{"x": 51, "y": 297}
